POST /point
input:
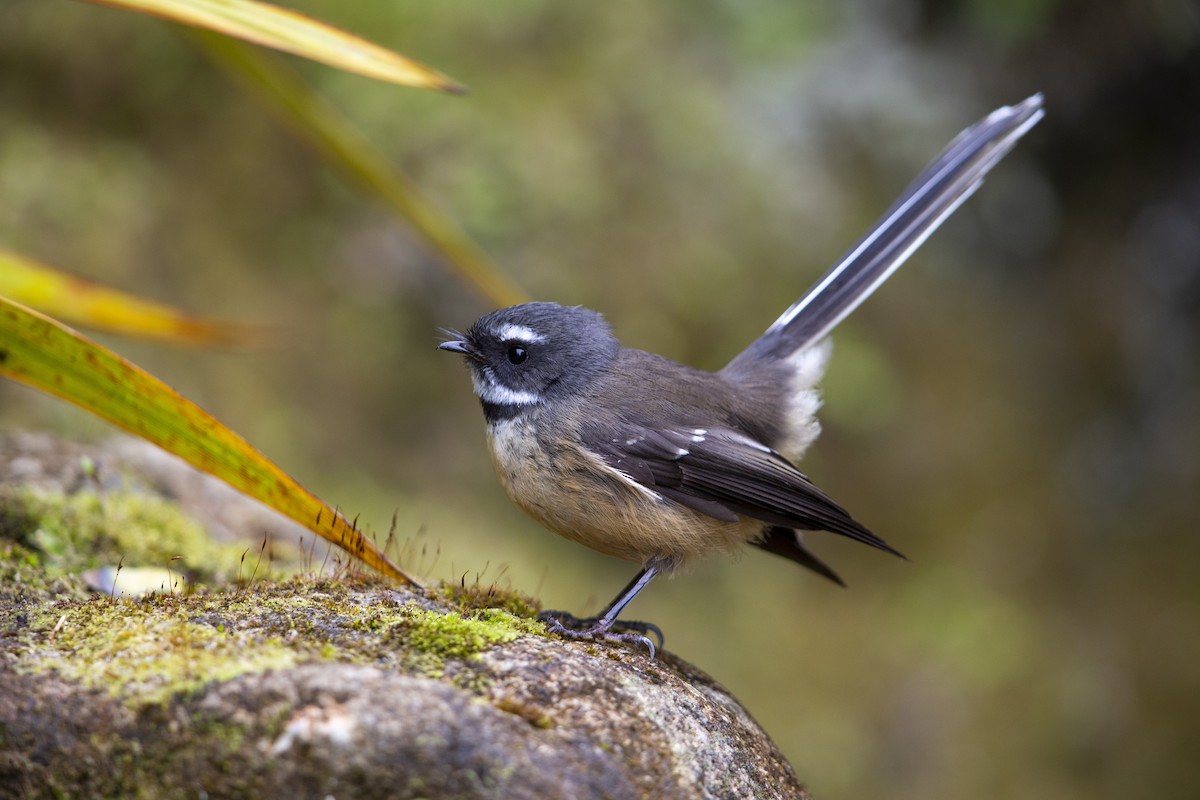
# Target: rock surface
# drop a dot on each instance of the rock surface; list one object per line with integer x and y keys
{"x": 338, "y": 686}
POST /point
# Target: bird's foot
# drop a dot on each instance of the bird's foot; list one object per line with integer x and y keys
{"x": 598, "y": 629}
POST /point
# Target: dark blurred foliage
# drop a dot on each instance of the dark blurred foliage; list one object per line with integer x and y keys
{"x": 1018, "y": 410}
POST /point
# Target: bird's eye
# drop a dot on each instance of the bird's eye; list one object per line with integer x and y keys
{"x": 517, "y": 354}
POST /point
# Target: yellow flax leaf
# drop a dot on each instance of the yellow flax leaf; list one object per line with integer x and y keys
{"x": 82, "y": 302}
{"x": 272, "y": 26}
{"x": 49, "y": 356}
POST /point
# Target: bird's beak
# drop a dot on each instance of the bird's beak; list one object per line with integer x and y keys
{"x": 456, "y": 346}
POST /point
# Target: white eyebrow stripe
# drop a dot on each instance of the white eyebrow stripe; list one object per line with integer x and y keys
{"x": 519, "y": 333}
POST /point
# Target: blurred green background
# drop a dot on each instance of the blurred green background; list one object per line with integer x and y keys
{"x": 1018, "y": 410}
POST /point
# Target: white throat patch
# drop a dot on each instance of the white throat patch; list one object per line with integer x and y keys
{"x": 490, "y": 391}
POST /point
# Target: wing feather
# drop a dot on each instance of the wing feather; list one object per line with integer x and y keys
{"x": 723, "y": 473}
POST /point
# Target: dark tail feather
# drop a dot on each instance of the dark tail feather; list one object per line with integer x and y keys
{"x": 952, "y": 177}
{"x": 787, "y": 543}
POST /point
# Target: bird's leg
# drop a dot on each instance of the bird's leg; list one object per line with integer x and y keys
{"x": 602, "y": 626}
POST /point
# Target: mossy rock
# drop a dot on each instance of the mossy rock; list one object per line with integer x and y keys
{"x": 317, "y": 686}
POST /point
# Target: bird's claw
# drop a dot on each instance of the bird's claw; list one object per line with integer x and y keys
{"x": 632, "y": 632}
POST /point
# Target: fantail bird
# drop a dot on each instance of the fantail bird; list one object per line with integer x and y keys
{"x": 654, "y": 462}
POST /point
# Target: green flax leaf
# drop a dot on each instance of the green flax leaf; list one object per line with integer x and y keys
{"x": 348, "y": 151}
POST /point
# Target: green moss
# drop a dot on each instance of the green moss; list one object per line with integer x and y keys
{"x": 73, "y": 532}
{"x": 472, "y": 597}
{"x": 145, "y": 651}
{"x": 153, "y": 649}
{"x": 16, "y": 521}
{"x": 455, "y": 636}
{"x": 477, "y": 620}
{"x": 161, "y": 647}
{"x": 23, "y": 581}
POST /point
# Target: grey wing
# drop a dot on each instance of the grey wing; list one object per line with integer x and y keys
{"x": 723, "y": 473}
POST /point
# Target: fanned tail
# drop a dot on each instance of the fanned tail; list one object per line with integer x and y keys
{"x": 949, "y": 180}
